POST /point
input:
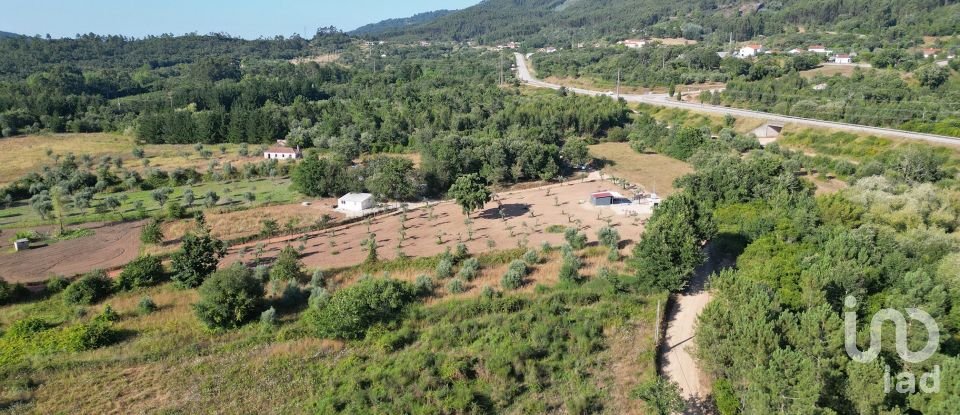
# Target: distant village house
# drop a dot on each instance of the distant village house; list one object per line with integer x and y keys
{"x": 751, "y": 50}
{"x": 843, "y": 59}
{"x": 282, "y": 152}
{"x": 634, "y": 43}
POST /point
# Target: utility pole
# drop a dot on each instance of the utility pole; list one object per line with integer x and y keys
{"x": 501, "y": 68}
{"x": 618, "y": 83}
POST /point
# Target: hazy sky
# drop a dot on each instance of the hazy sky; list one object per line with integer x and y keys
{"x": 246, "y": 18}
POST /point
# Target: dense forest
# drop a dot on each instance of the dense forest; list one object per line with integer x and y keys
{"x": 773, "y": 336}
{"x": 539, "y": 22}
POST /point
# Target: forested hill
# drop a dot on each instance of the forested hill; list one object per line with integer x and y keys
{"x": 401, "y": 23}
{"x": 7, "y": 34}
{"x": 538, "y": 22}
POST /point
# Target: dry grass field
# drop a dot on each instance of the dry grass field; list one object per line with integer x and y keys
{"x": 654, "y": 172}
{"x": 24, "y": 154}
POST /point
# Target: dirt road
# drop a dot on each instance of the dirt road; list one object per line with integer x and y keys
{"x": 676, "y": 359}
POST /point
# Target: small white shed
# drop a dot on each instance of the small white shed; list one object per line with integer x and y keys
{"x": 355, "y": 202}
{"x": 21, "y": 244}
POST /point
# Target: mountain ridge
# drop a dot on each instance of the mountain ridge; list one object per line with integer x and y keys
{"x": 543, "y": 21}
{"x": 400, "y": 23}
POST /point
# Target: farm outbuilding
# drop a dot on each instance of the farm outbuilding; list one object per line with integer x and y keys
{"x": 602, "y": 199}
{"x": 355, "y": 202}
{"x": 21, "y": 244}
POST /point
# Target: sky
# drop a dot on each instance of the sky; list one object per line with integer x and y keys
{"x": 244, "y": 18}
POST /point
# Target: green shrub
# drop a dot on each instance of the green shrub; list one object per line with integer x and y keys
{"x": 146, "y": 306}
{"x": 531, "y": 257}
{"x": 26, "y": 328}
{"x": 89, "y": 336}
{"x": 469, "y": 270}
{"x": 229, "y": 298}
{"x": 108, "y": 315}
{"x": 576, "y": 239}
{"x": 461, "y": 252}
{"x": 423, "y": 285}
{"x": 12, "y": 293}
{"x": 555, "y": 229}
{"x": 89, "y": 289}
{"x": 176, "y": 211}
{"x": 456, "y": 286}
{"x": 142, "y": 272}
{"x": 725, "y": 398}
{"x": 152, "y": 233}
{"x": 444, "y": 268}
{"x": 318, "y": 297}
{"x": 352, "y": 310}
{"x": 56, "y": 284}
{"x": 515, "y": 275}
{"x": 288, "y": 266}
{"x": 269, "y": 317}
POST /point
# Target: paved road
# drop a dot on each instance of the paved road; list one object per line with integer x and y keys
{"x": 523, "y": 73}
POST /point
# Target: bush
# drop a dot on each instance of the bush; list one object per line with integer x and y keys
{"x": 531, "y": 257}
{"x": 288, "y": 266}
{"x": 56, "y": 284}
{"x": 152, "y": 233}
{"x": 352, "y": 310}
{"x": 89, "y": 336}
{"x": 229, "y": 298}
{"x": 89, "y": 289}
{"x": 444, "y": 268}
{"x": 423, "y": 285}
{"x": 142, "y": 272}
{"x": 318, "y": 297}
{"x": 108, "y": 315}
{"x": 12, "y": 293}
{"x": 576, "y": 239}
{"x": 469, "y": 270}
{"x": 515, "y": 275}
{"x": 269, "y": 317}
{"x": 461, "y": 253}
{"x": 146, "y": 306}
{"x": 456, "y": 286}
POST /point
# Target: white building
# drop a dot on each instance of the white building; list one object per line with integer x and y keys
{"x": 843, "y": 59}
{"x": 634, "y": 43}
{"x": 817, "y": 49}
{"x": 751, "y": 50}
{"x": 282, "y": 152}
{"x": 930, "y": 53}
{"x": 355, "y": 202}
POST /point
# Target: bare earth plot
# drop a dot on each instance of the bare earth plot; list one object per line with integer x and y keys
{"x": 111, "y": 246}
{"x": 565, "y": 204}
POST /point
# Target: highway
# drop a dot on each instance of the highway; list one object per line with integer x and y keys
{"x": 663, "y": 100}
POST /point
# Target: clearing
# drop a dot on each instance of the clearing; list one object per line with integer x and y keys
{"x": 653, "y": 171}
{"x": 429, "y": 231}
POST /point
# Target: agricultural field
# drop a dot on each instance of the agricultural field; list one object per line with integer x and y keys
{"x": 530, "y": 218}
{"x": 25, "y": 154}
{"x": 232, "y": 194}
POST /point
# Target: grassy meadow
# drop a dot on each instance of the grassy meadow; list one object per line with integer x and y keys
{"x": 550, "y": 347}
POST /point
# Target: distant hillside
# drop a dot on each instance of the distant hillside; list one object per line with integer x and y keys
{"x": 8, "y": 34}
{"x": 540, "y": 21}
{"x": 401, "y": 23}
